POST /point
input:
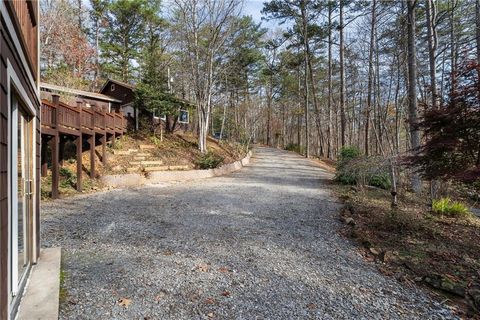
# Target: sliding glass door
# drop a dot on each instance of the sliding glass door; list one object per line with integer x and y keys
{"x": 22, "y": 184}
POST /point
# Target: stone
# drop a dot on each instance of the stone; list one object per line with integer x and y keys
{"x": 350, "y": 221}
{"x": 151, "y": 162}
{"x": 147, "y": 146}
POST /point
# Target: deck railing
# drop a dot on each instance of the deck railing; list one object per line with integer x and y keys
{"x": 55, "y": 115}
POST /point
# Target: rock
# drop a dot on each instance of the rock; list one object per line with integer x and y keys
{"x": 350, "y": 221}
{"x": 117, "y": 168}
{"x": 473, "y": 297}
{"x": 445, "y": 284}
{"x": 374, "y": 251}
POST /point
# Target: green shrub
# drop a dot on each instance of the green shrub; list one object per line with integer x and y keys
{"x": 209, "y": 160}
{"x": 294, "y": 147}
{"x": 117, "y": 144}
{"x": 353, "y": 168}
{"x": 155, "y": 140}
{"x": 68, "y": 176}
{"x": 347, "y": 174}
{"x": 447, "y": 207}
{"x": 381, "y": 180}
{"x": 348, "y": 153}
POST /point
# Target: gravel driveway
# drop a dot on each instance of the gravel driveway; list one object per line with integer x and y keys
{"x": 262, "y": 243}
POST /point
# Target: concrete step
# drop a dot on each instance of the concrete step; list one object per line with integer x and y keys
{"x": 135, "y": 163}
{"x": 147, "y": 146}
{"x": 133, "y": 169}
{"x": 132, "y": 150}
{"x": 121, "y": 152}
{"x": 138, "y": 158}
{"x": 151, "y": 163}
{"x": 159, "y": 168}
{"x": 178, "y": 167}
{"x": 143, "y": 154}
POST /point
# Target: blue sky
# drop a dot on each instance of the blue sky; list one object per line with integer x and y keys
{"x": 253, "y": 8}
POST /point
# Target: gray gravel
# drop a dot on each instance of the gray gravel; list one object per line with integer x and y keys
{"x": 262, "y": 243}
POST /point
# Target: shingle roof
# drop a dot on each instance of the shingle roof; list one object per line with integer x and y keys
{"x": 98, "y": 96}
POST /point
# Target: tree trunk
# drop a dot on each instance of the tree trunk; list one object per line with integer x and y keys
{"x": 432, "y": 46}
{"x": 305, "y": 44}
{"x": 342, "y": 77}
{"x": 330, "y": 96}
{"x": 370, "y": 78}
{"x": 412, "y": 89}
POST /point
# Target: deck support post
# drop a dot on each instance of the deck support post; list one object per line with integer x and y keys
{"x": 54, "y": 142}
{"x": 104, "y": 148}
{"x": 78, "y": 143}
{"x": 44, "y": 147}
{"x": 61, "y": 150}
{"x": 91, "y": 142}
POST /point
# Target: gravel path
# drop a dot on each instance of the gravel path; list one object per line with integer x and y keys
{"x": 262, "y": 243}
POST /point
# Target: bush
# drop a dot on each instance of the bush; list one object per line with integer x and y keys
{"x": 209, "y": 160}
{"x": 68, "y": 176}
{"x": 352, "y": 168}
{"x": 348, "y": 153}
{"x": 381, "y": 180}
{"x": 294, "y": 147}
{"x": 447, "y": 207}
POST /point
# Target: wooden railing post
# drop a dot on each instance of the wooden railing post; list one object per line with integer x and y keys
{"x": 56, "y": 104}
{"x": 79, "y": 107}
{"x": 92, "y": 123}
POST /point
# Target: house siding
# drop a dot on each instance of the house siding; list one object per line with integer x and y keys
{"x": 10, "y": 55}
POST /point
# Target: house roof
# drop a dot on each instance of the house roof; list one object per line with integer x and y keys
{"x": 132, "y": 87}
{"x": 120, "y": 83}
{"x": 93, "y": 95}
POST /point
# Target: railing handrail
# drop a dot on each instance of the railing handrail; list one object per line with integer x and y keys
{"x": 99, "y": 118}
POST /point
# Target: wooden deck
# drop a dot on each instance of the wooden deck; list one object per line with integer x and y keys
{"x": 61, "y": 122}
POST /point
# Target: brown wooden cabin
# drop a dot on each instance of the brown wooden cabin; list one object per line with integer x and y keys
{"x": 125, "y": 92}
{"x": 19, "y": 150}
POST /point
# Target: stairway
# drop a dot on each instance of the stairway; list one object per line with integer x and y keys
{"x": 141, "y": 160}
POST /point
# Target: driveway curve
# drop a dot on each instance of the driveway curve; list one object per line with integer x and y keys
{"x": 261, "y": 243}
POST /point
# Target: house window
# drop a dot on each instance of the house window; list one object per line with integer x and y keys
{"x": 112, "y": 87}
{"x": 183, "y": 117}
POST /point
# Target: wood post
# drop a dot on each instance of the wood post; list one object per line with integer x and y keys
{"x": 44, "y": 147}
{"x": 54, "y": 142}
{"x": 79, "y": 107}
{"x": 56, "y": 104}
{"x": 61, "y": 150}
{"x": 104, "y": 148}
{"x": 91, "y": 141}
{"x": 78, "y": 143}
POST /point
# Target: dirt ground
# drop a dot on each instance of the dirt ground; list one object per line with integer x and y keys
{"x": 414, "y": 245}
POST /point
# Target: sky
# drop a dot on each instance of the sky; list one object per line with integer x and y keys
{"x": 253, "y": 8}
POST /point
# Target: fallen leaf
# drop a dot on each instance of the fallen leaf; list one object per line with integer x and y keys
{"x": 311, "y": 306}
{"x": 210, "y": 315}
{"x": 124, "y": 302}
{"x": 210, "y": 301}
{"x": 202, "y": 267}
{"x": 223, "y": 270}
{"x": 226, "y": 293}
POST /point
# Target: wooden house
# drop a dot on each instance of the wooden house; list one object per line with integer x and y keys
{"x": 19, "y": 150}
{"x": 125, "y": 92}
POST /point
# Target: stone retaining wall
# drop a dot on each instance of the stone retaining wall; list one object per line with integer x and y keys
{"x": 138, "y": 179}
